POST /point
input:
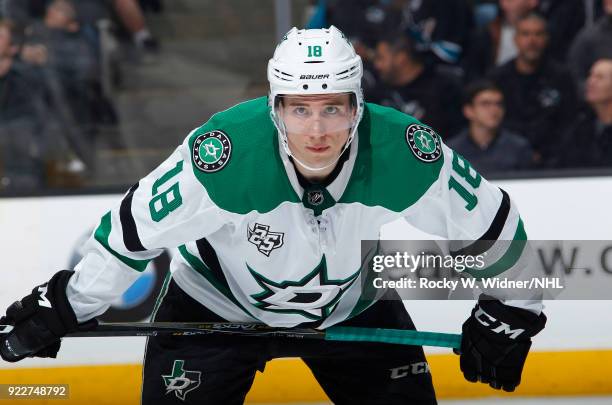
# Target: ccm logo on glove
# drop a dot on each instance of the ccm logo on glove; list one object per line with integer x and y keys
{"x": 39, "y": 321}
{"x": 495, "y": 325}
{"x": 43, "y": 301}
{"x": 492, "y": 351}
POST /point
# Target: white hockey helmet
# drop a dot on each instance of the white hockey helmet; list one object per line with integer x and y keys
{"x": 314, "y": 61}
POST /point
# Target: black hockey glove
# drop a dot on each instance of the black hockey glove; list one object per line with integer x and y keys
{"x": 40, "y": 320}
{"x": 495, "y": 341}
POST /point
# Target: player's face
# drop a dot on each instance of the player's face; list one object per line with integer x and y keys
{"x": 387, "y": 62}
{"x": 318, "y": 126}
{"x": 59, "y": 15}
{"x": 531, "y": 39}
{"x": 486, "y": 110}
{"x": 599, "y": 83}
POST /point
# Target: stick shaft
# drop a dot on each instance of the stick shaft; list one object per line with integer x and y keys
{"x": 395, "y": 336}
{"x": 196, "y": 329}
{"x": 334, "y": 333}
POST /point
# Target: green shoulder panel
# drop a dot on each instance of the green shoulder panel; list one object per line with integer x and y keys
{"x": 399, "y": 159}
{"x": 235, "y": 157}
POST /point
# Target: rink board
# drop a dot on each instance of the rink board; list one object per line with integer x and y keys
{"x": 574, "y": 352}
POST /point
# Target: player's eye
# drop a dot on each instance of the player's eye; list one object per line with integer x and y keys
{"x": 301, "y": 111}
{"x": 332, "y": 110}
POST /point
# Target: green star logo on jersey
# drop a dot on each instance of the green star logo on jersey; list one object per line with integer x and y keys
{"x": 181, "y": 381}
{"x": 212, "y": 151}
{"x": 314, "y": 296}
{"x": 424, "y": 143}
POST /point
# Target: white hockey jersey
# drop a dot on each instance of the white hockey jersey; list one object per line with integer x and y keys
{"x": 254, "y": 246}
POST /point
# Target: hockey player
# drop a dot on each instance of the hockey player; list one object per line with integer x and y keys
{"x": 267, "y": 203}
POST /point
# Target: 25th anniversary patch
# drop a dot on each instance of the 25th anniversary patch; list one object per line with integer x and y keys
{"x": 424, "y": 143}
{"x": 211, "y": 151}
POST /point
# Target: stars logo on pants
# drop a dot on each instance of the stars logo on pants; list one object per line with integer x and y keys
{"x": 181, "y": 381}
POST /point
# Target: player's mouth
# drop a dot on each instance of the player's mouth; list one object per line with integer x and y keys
{"x": 318, "y": 149}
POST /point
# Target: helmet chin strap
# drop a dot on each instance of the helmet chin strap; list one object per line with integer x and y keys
{"x": 316, "y": 169}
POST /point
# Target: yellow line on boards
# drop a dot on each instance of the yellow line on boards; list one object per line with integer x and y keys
{"x": 289, "y": 380}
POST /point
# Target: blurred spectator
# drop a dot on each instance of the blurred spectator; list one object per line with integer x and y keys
{"x": 416, "y": 88}
{"x": 593, "y": 9}
{"x": 591, "y": 44}
{"x": 132, "y": 18}
{"x": 494, "y": 45}
{"x": 485, "y": 11}
{"x": 539, "y": 94}
{"x": 441, "y": 27}
{"x": 364, "y": 22}
{"x": 316, "y": 14}
{"x": 57, "y": 41}
{"x": 588, "y": 141}
{"x": 487, "y": 146}
{"x": 22, "y": 120}
{"x": 89, "y": 12}
{"x": 565, "y": 18}
{"x": 70, "y": 71}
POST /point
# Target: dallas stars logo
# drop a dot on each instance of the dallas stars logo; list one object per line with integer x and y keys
{"x": 181, "y": 381}
{"x": 424, "y": 143}
{"x": 314, "y": 296}
{"x": 211, "y": 151}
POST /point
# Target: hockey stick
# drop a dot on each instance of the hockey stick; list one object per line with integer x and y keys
{"x": 334, "y": 333}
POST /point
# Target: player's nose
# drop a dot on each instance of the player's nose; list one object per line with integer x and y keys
{"x": 317, "y": 128}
